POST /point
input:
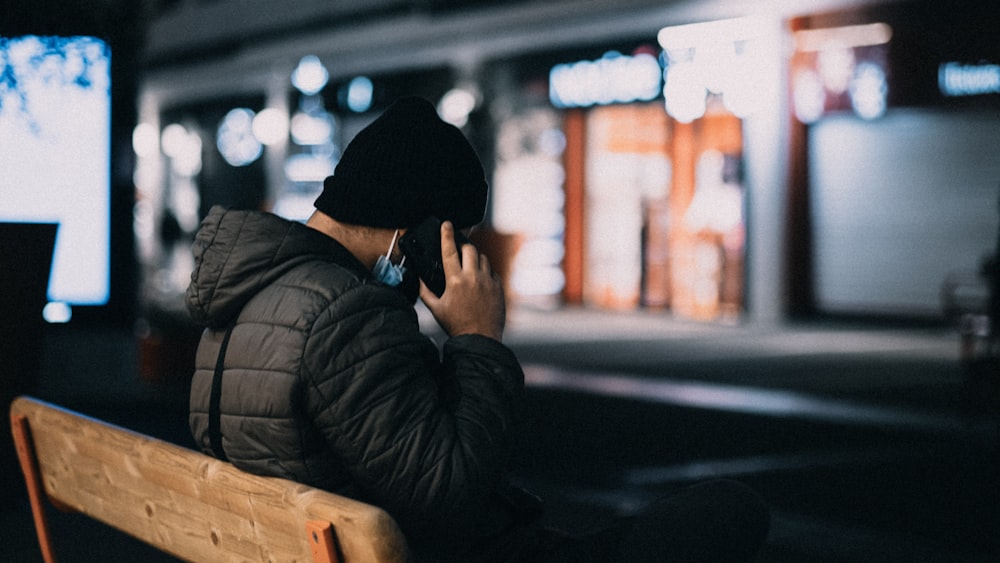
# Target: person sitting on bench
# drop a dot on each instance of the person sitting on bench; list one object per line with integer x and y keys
{"x": 313, "y": 367}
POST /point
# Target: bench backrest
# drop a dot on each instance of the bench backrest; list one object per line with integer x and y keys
{"x": 186, "y": 503}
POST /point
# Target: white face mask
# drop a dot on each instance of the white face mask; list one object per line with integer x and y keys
{"x": 385, "y": 271}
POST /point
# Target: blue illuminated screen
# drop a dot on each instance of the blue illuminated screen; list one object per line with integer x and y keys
{"x": 55, "y": 123}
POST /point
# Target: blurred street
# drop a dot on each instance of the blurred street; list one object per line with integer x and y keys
{"x": 819, "y": 178}
{"x": 867, "y": 440}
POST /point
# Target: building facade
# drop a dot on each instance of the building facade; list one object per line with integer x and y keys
{"x": 704, "y": 161}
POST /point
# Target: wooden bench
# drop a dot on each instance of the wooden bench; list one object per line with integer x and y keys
{"x": 186, "y": 503}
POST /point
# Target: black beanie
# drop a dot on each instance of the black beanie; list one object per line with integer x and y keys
{"x": 407, "y": 165}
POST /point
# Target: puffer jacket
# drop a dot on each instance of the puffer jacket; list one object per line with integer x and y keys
{"x": 328, "y": 381}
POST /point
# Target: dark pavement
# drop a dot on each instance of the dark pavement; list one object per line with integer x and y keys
{"x": 867, "y": 440}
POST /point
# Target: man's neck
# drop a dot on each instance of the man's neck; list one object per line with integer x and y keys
{"x": 365, "y": 243}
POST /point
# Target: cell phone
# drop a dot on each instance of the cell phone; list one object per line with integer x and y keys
{"x": 422, "y": 247}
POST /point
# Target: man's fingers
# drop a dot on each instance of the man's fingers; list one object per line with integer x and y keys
{"x": 484, "y": 264}
{"x": 449, "y": 253}
{"x": 471, "y": 256}
{"x": 427, "y": 295}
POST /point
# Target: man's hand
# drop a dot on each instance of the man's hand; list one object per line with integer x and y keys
{"x": 473, "y": 301}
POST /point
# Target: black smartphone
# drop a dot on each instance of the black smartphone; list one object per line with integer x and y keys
{"x": 422, "y": 247}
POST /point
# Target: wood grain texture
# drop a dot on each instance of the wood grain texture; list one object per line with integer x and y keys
{"x": 192, "y": 505}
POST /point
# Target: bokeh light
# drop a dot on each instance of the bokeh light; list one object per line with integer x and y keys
{"x": 270, "y": 126}
{"x": 235, "y": 139}
{"x": 360, "y": 93}
{"x": 310, "y": 76}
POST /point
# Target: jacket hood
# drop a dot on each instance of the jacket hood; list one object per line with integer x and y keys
{"x": 238, "y": 252}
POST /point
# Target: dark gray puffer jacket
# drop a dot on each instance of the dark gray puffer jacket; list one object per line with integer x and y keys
{"x": 328, "y": 381}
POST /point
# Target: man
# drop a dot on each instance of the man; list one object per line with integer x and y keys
{"x": 313, "y": 367}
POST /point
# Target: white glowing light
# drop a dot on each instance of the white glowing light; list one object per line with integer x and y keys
{"x": 684, "y": 92}
{"x": 144, "y": 226}
{"x": 698, "y": 35}
{"x": 184, "y": 149}
{"x": 955, "y": 79}
{"x": 310, "y": 76}
{"x": 57, "y": 312}
{"x": 55, "y": 138}
{"x": 235, "y": 138}
{"x": 188, "y": 163}
{"x": 359, "y": 94}
{"x": 312, "y": 129}
{"x": 718, "y": 65}
{"x": 717, "y": 205}
{"x": 810, "y": 40}
{"x": 295, "y": 206}
{"x": 836, "y": 67}
{"x": 172, "y": 139}
{"x": 270, "y": 126}
{"x": 718, "y": 57}
{"x": 869, "y": 91}
{"x": 145, "y": 139}
{"x": 552, "y": 142}
{"x": 746, "y": 90}
{"x": 538, "y": 281}
{"x": 741, "y": 97}
{"x": 541, "y": 252}
{"x": 146, "y": 174}
{"x": 614, "y": 78}
{"x": 184, "y": 200}
{"x": 308, "y": 168}
{"x": 456, "y": 105}
{"x": 809, "y": 97}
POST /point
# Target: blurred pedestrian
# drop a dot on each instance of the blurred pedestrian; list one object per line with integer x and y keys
{"x": 313, "y": 367}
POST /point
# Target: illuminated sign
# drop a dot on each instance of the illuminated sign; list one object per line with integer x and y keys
{"x": 55, "y": 139}
{"x": 612, "y": 79}
{"x": 838, "y": 63}
{"x": 955, "y": 79}
{"x": 726, "y": 58}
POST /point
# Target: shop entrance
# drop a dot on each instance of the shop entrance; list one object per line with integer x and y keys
{"x": 662, "y": 213}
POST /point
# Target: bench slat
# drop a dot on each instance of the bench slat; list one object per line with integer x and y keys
{"x": 191, "y": 505}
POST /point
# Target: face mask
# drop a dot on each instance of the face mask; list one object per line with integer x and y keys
{"x": 385, "y": 271}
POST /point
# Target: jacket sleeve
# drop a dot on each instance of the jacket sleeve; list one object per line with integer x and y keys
{"x": 424, "y": 437}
